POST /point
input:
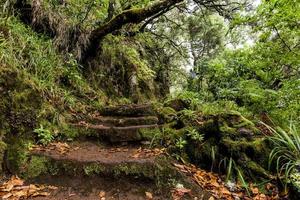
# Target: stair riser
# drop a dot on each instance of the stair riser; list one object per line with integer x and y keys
{"x": 142, "y": 110}
{"x": 121, "y": 135}
{"x": 49, "y": 166}
{"x": 123, "y": 122}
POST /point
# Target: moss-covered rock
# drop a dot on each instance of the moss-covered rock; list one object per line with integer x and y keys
{"x": 23, "y": 109}
{"x": 19, "y": 105}
{"x": 17, "y": 154}
{"x": 36, "y": 166}
{"x": 229, "y": 135}
{"x": 19, "y": 102}
{"x": 177, "y": 104}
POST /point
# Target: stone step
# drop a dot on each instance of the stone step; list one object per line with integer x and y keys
{"x": 85, "y": 153}
{"x": 119, "y": 134}
{"x": 91, "y": 188}
{"x": 87, "y": 158}
{"x": 133, "y": 110}
{"x": 123, "y": 121}
{"x": 93, "y": 160}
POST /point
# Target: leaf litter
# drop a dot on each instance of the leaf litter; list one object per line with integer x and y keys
{"x": 147, "y": 153}
{"x": 60, "y": 147}
{"x": 220, "y": 190}
{"x": 15, "y": 189}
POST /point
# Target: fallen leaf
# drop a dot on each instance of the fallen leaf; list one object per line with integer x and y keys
{"x": 219, "y": 190}
{"x": 102, "y": 195}
{"x": 7, "y": 188}
{"x": 254, "y": 190}
{"x": 41, "y": 194}
{"x": 225, "y": 191}
{"x": 149, "y": 196}
{"x": 15, "y": 189}
{"x": 7, "y": 196}
{"x": 21, "y": 193}
{"x": 179, "y": 192}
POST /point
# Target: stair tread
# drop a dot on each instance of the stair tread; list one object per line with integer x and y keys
{"x": 116, "y": 133}
{"x": 122, "y": 117}
{"x": 128, "y": 110}
{"x": 123, "y": 121}
{"x": 141, "y": 162}
{"x": 88, "y": 152}
{"x": 125, "y": 188}
{"x": 105, "y": 127}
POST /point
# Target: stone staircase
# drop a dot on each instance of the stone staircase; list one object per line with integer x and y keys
{"x": 120, "y": 123}
{"x": 111, "y": 159}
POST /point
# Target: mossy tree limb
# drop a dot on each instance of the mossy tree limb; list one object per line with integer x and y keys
{"x": 135, "y": 16}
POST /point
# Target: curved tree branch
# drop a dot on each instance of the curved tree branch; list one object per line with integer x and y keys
{"x": 135, "y": 16}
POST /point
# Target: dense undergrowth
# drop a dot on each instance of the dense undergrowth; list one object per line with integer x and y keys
{"x": 33, "y": 59}
{"x": 40, "y": 90}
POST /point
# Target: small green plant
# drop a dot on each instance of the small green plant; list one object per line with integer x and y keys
{"x": 195, "y": 135}
{"x": 44, "y": 135}
{"x": 242, "y": 179}
{"x": 286, "y": 151}
{"x": 229, "y": 169}
{"x": 234, "y": 169}
{"x": 180, "y": 143}
{"x": 187, "y": 114}
{"x": 213, "y": 157}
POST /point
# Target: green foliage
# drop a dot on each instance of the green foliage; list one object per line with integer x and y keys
{"x": 17, "y": 153}
{"x": 191, "y": 99}
{"x": 41, "y": 85}
{"x": 44, "y": 135}
{"x": 257, "y": 80}
{"x": 218, "y": 107}
{"x": 262, "y": 78}
{"x": 232, "y": 169}
{"x": 195, "y": 135}
{"x": 37, "y": 166}
{"x": 36, "y": 57}
{"x": 286, "y": 151}
{"x": 86, "y": 12}
{"x": 93, "y": 169}
{"x": 187, "y": 115}
{"x": 123, "y": 69}
{"x": 180, "y": 143}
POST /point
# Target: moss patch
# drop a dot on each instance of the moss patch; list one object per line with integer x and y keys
{"x": 36, "y": 166}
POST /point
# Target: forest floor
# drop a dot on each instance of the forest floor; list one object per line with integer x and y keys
{"x": 120, "y": 167}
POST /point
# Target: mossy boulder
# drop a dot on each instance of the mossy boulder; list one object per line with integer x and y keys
{"x": 19, "y": 105}
{"x": 19, "y": 102}
{"x": 230, "y": 135}
{"x": 17, "y": 153}
{"x": 177, "y": 104}
{"x": 23, "y": 109}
